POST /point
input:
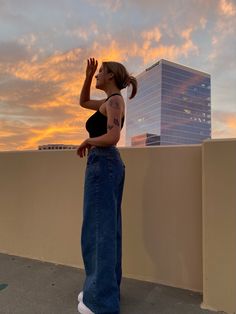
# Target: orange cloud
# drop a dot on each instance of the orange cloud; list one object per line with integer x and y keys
{"x": 227, "y": 8}
{"x": 153, "y": 34}
{"x": 223, "y": 133}
{"x": 4, "y": 133}
{"x": 66, "y": 73}
{"x": 61, "y": 70}
{"x": 172, "y": 52}
{"x": 224, "y": 124}
{"x": 186, "y": 33}
{"x": 69, "y": 131}
{"x": 53, "y": 69}
{"x": 143, "y": 48}
{"x": 112, "y": 51}
{"x": 231, "y": 122}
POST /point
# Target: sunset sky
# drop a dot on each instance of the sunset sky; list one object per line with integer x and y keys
{"x": 44, "y": 46}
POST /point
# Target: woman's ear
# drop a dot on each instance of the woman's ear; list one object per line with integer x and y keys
{"x": 111, "y": 75}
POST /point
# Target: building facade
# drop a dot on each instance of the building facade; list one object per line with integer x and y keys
{"x": 173, "y": 104}
{"x": 57, "y": 147}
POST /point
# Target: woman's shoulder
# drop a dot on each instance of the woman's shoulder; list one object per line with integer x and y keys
{"x": 116, "y": 102}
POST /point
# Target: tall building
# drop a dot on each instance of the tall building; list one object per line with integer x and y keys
{"x": 173, "y": 104}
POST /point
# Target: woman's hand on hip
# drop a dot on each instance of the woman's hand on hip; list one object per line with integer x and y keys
{"x": 81, "y": 151}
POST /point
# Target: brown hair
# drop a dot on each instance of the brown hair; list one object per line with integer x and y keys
{"x": 121, "y": 76}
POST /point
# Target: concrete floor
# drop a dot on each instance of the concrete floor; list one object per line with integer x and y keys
{"x": 33, "y": 287}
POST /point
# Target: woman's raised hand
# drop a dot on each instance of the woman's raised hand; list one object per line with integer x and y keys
{"x": 92, "y": 65}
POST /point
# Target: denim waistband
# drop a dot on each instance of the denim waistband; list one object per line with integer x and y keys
{"x": 104, "y": 151}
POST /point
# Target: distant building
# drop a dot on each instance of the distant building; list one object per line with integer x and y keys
{"x": 173, "y": 103}
{"x": 57, "y": 147}
{"x": 145, "y": 139}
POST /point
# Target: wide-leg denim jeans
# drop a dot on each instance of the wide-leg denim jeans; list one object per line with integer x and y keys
{"x": 101, "y": 236}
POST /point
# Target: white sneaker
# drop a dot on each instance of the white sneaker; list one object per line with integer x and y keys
{"x": 80, "y": 296}
{"x": 83, "y": 309}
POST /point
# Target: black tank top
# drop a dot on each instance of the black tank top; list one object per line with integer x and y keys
{"x": 96, "y": 125}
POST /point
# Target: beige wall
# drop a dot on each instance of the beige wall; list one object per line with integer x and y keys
{"x": 219, "y": 225}
{"x": 41, "y": 210}
{"x": 162, "y": 215}
{"x": 41, "y": 198}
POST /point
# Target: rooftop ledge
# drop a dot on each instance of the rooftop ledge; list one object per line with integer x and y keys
{"x": 179, "y": 214}
{"x": 58, "y": 286}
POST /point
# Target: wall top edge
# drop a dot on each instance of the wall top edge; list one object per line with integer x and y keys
{"x": 220, "y": 140}
{"x": 119, "y": 147}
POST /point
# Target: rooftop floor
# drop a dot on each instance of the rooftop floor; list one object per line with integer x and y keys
{"x": 34, "y": 287}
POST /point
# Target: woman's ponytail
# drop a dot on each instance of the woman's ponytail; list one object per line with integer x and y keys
{"x": 133, "y": 81}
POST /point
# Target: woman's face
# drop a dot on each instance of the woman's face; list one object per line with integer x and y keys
{"x": 101, "y": 78}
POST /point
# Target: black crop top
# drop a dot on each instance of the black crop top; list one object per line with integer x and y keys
{"x": 96, "y": 125}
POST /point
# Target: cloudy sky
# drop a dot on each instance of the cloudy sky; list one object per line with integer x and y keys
{"x": 44, "y": 46}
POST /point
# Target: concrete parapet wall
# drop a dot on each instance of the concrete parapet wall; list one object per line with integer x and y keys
{"x": 41, "y": 211}
{"x": 219, "y": 225}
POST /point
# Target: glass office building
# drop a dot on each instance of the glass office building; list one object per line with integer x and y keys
{"x": 173, "y": 104}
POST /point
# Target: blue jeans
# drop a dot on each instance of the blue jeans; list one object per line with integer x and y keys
{"x": 101, "y": 236}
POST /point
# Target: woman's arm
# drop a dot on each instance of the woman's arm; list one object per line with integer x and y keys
{"x": 85, "y": 100}
{"x": 91, "y": 68}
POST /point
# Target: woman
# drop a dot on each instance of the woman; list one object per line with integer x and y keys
{"x": 101, "y": 236}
